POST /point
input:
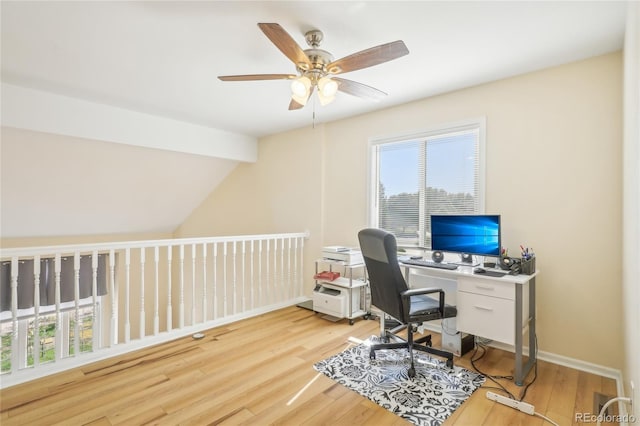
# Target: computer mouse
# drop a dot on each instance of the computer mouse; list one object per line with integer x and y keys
{"x": 479, "y": 271}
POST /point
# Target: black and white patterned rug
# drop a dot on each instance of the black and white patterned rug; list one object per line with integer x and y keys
{"x": 427, "y": 399}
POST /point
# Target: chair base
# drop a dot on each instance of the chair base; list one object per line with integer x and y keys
{"x": 411, "y": 345}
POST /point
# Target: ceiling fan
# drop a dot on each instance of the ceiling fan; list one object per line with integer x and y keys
{"x": 317, "y": 69}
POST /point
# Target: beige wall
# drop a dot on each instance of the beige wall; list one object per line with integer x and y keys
{"x": 552, "y": 172}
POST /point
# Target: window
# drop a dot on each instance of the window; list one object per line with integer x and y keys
{"x": 435, "y": 172}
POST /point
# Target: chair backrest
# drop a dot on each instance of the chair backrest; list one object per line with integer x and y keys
{"x": 379, "y": 250}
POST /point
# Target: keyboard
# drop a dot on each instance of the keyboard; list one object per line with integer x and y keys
{"x": 429, "y": 264}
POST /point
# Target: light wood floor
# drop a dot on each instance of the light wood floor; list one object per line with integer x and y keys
{"x": 259, "y": 371}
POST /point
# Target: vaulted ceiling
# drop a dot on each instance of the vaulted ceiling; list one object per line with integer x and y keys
{"x": 160, "y": 60}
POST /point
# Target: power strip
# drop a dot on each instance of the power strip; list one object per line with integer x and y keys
{"x": 518, "y": 405}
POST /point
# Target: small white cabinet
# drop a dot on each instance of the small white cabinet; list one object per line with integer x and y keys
{"x": 345, "y": 296}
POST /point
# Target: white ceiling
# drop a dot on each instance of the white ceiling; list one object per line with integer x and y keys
{"x": 162, "y": 58}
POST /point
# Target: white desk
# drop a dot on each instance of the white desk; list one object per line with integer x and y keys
{"x": 497, "y": 308}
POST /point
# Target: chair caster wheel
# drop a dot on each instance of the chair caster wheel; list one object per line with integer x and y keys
{"x": 411, "y": 372}
{"x": 372, "y": 355}
{"x": 351, "y": 322}
{"x": 450, "y": 363}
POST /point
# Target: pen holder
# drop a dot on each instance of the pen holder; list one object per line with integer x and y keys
{"x": 507, "y": 263}
{"x": 528, "y": 266}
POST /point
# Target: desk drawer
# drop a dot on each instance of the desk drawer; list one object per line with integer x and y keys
{"x": 484, "y": 316}
{"x": 494, "y": 288}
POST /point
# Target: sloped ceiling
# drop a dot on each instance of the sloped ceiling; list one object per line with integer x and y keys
{"x": 55, "y": 185}
{"x": 161, "y": 59}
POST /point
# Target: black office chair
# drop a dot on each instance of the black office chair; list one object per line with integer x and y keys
{"x": 389, "y": 293}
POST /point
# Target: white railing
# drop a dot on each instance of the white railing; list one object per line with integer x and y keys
{"x": 64, "y": 306}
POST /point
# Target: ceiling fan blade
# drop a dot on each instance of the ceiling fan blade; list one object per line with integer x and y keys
{"x": 248, "y": 77}
{"x": 358, "y": 89}
{"x": 293, "y": 105}
{"x": 369, "y": 57}
{"x": 286, "y": 44}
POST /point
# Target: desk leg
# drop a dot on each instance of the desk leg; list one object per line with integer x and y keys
{"x": 520, "y": 370}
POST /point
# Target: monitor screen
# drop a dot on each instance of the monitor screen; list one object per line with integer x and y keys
{"x": 472, "y": 234}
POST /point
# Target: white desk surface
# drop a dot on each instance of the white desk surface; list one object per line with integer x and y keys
{"x": 467, "y": 271}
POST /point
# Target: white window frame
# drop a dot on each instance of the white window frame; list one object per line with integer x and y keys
{"x": 373, "y": 172}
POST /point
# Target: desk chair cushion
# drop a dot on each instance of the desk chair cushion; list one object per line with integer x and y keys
{"x": 427, "y": 308}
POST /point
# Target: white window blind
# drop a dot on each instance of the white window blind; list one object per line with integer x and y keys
{"x": 438, "y": 172}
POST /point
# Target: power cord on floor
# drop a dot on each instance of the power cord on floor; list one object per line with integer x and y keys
{"x": 545, "y": 418}
{"x": 608, "y": 403}
{"x": 488, "y": 376}
{"x": 511, "y": 401}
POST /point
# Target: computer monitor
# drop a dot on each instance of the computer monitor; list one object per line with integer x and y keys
{"x": 466, "y": 234}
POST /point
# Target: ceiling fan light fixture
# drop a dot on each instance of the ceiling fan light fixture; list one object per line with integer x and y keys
{"x": 327, "y": 87}
{"x": 300, "y": 89}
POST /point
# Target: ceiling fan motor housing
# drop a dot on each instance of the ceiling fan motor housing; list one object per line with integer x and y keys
{"x": 319, "y": 60}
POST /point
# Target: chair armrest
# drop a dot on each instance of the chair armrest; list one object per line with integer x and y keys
{"x": 406, "y": 298}
{"x": 416, "y": 291}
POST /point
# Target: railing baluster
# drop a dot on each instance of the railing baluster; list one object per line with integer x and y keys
{"x": 285, "y": 291}
{"x": 169, "y": 306}
{"x": 297, "y": 262}
{"x": 251, "y": 274}
{"x": 14, "y": 315}
{"x": 142, "y": 329}
{"x": 224, "y": 279}
{"x": 58, "y": 336}
{"x": 36, "y": 311}
{"x": 215, "y": 280}
{"x": 275, "y": 271}
{"x": 76, "y": 302}
{"x": 260, "y": 299}
{"x": 268, "y": 296}
{"x": 127, "y": 295}
{"x": 290, "y": 289}
{"x": 193, "y": 284}
{"x": 96, "y": 330}
{"x": 242, "y": 263}
{"x": 181, "y": 305}
{"x": 156, "y": 292}
{"x": 114, "y": 299}
{"x": 204, "y": 282}
{"x": 235, "y": 281}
